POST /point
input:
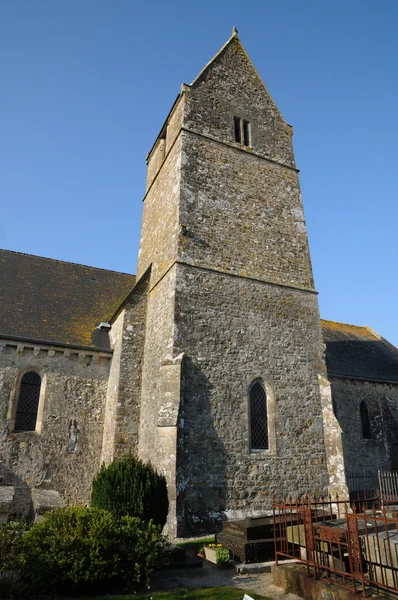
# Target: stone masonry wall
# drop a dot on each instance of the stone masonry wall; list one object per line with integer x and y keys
{"x": 160, "y": 221}
{"x": 66, "y": 452}
{"x": 109, "y": 433}
{"x": 124, "y": 387}
{"x": 233, "y": 330}
{"x": 379, "y": 452}
{"x": 154, "y": 445}
{"x": 230, "y": 86}
{"x": 242, "y": 214}
{"x": 158, "y": 346}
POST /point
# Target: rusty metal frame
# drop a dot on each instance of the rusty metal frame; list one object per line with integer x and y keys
{"x": 359, "y": 552}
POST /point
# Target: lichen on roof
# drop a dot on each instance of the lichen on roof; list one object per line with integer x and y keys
{"x": 58, "y": 301}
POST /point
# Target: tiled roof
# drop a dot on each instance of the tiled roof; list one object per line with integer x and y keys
{"x": 358, "y": 352}
{"x": 57, "y": 301}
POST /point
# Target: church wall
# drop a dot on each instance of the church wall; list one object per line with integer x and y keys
{"x": 157, "y": 157}
{"x": 66, "y": 452}
{"x": 174, "y": 123}
{"x": 116, "y": 338}
{"x": 232, "y": 87}
{"x": 158, "y": 245}
{"x": 160, "y": 221}
{"x": 379, "y": 452}
{"x": 158, "y": 347}
{"x": 129, "y": 384}
{"x": 232, "y": 331}
{"x": 242, "y": 214}
{"x": 124, "y": 387}
{"x": 165, "y": 141}
{"x": 160, "y": 393}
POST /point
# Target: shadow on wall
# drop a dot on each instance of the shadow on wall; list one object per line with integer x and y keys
{"x": 202, "y": 459}
{"x": 19, "y": 498}
{"x": 368, "y": 372}
{"x": 391, "y": 418}
{"x": 372, "y": 359}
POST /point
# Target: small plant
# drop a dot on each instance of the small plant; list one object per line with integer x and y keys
{"x": 223, "y": 558}
{"x": 131, "y": 487}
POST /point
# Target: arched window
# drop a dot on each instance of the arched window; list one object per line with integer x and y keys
{"x": 28, "y": 402}
{"x": 258, "y": 417}
{"x": 365, "y": 421}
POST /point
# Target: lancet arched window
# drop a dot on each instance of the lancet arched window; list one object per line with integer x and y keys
{"x": 258, "y": 417}
{"x": 365, "y": 421}
{"x": 28, "y": 402}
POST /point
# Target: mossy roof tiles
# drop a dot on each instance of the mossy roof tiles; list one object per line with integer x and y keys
{"x": 57, "y": 301}
{"x": 358, "y": 352}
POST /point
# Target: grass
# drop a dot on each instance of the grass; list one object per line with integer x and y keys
{"x": 196, "y": 544}
{"x": 214, "y": 593}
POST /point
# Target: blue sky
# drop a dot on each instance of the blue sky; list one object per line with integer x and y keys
{"x": 87, "y": 84}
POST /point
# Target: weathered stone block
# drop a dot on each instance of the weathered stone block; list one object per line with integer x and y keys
{"x": 45, "y": 500}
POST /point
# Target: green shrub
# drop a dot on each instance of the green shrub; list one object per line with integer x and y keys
{"x": 144, "y": 549}
{"x": 11, "y": 544}
{"x": 12, "y": 558}
{"x": 80, "y": 549}
{"x": 131, "y": 487}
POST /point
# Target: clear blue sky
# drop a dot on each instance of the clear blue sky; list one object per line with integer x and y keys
{"x": 87, "y": 84}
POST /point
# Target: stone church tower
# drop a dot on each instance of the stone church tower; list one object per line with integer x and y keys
{"x": 231, "y": 405}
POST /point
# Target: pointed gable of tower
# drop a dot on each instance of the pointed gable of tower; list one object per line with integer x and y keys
{"x": 229, "y": 102}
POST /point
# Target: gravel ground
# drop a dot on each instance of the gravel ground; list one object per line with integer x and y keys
{"x": 210, "y": 576}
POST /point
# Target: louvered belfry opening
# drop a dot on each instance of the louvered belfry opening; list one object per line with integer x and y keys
{"x": 258, "y": 417}
{"x": 28, "y": 402}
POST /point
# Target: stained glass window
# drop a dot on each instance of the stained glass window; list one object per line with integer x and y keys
{"x": 258, "y": 417}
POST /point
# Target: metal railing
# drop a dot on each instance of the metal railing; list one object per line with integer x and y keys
{"x": 340, "y": 542}
{"x": 388, "y": 486}
{"x": 362, "y": 481}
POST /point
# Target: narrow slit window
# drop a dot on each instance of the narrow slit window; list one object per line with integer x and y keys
{"x": 28, "y": 402}
{"x": 365, "y": 421}
{"x": 237, "y": 129}
{"x": 242, "y": 131}
{"x": 246, "y": 133}
{"x": 258, "y": 417}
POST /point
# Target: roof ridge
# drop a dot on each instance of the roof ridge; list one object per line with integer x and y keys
{"x": 68, "y": 262}
{"x": 234, "y": 36}
{"x": 349, "y": 324}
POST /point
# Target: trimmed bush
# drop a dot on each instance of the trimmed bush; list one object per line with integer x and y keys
{"x": 79, "y": 549}
{"x": 131, "y": 487}
{"x": 144, "y": 549}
